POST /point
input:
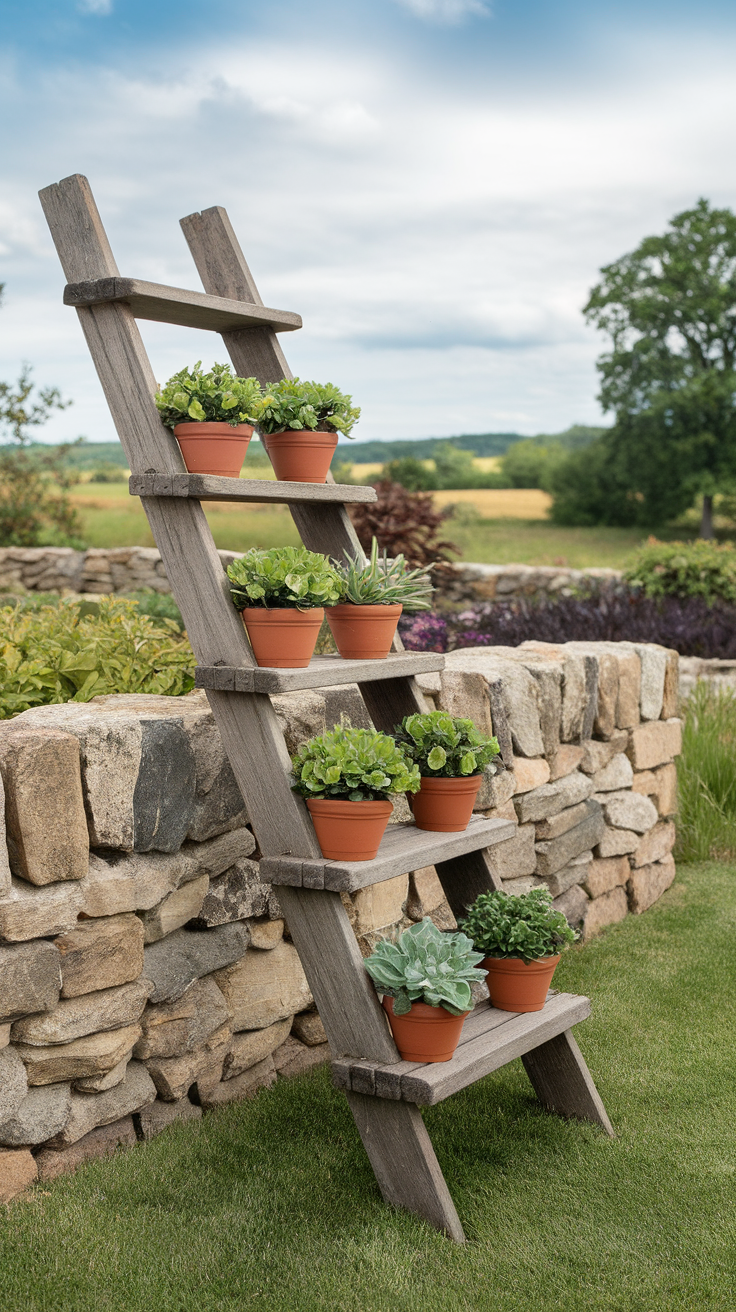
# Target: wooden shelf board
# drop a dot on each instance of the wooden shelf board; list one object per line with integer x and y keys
{"x": 322, "y": 672}
{"x": 489, "y": 1040}
{"x": 213, "y": 487}
{"x": 404, "y": 848}
{"x": 151, "y": 300}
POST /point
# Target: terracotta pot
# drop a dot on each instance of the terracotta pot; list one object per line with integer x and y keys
{"x": 214, "y": 448}
{"x": 514, "y": 986}
{"x": 425, "y": 1033}
{"x": 445, "y": 805}
{"x": 363, "y": 632}
{"x": 300, "y": 456}
{"x": 283, "y": 638}
{"x": 349, "y": 831}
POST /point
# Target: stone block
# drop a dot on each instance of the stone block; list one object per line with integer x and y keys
{"x": 18, "y": 1170}
{"x": 495, "y": 789}
{"x": 596, "y": 755}
{"x": 28, "y": 912}
{"x": 172, "y": 1028}
{"x": 95, "y": 1054}
{"x": 614, "y": 776}
{"x": 575, "y": 872}
{"x": 561, "y": 822}
{"x": 101, "y": 1083}
{"x": 174, "y": 1076}
{"x": 518, "y": 694}
{"x": 655, "y": 743}
{"x": 529, "y": 774}
{"x": 175, "y": 910}
{"x": 566, "y": 759}
{"x": 102, "y": 1142}
{"x": 655, "y": 845}
{"x": 545, "y": 802}
{"x": 176, "y": 961}
{"x": 301, "y": 716}
{"x": 505, "y": 812}
{"x": 253, "y": 1046}
{"x": 579, "y": 696}
{"x": 98, "y": 954}
{"x": 218, "y": 801}
{"x": 606, "y": 909}
{"x": 265, "y": 987}
{"x": 158, "y": 1115}
{"x": 522, "y": 885}
{"x": 629, "y": 687}
{"x": 246, "y": 1085}
{"x": 46, "y": 824}
{"x": 378, "y": 906}
{"x": 464, "y": 695}
{"x": 89, "y": 1110}
{"x": 573, "y": 904}
{"x": 42, "y": 1114}
{"x": 425, "y": 892}
{"x": 295, "y": 1058}
{"x": 515, "y": 857}
{"x": 4, "y": 856}
{"x": 265, "y": 934}
{"x": 627, "y": 810}
{"x": 500, "y": 722}
{"x": 617, "y": 842}
{"x": 608, "y": 681}
{"x": 13, "y": 1082}
{"x": 237, "y": 895}
{"x": 92, "y": 1013}
{"x": 648, "y": 883}
{"x": 653, "y": 669}
{"x": 606, "y": 873}
{"x": 548, "y": 676}
{"x": 30, "y": 979}
{"x": 118, "y": 882}
{"x": 664, "y": 792}
{"x": 559, "y": 852}
{"x": 4, "y": 1036}
{"x": 309, "y": 1029}
{"x": 163, "y": 798}
{"x": 671, "y": 693}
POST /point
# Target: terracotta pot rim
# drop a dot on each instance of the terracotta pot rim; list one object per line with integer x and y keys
{"x": 364, "y": 607}
{"x": 421, "y": 1009}
{"x": 300, "y": 432}
{"x": 518, "y": 961}
{"x": 450, "y": 779}
{"x": 293, "y": 611}
{"x": 223, "y": 429}
{"x": 344, "y": 802}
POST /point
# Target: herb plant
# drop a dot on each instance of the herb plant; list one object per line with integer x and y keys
{"x": 358, "y": 765}
{"x": 426, "y": 965}
{"x": 524, "y": 925}
{"x": 384, "y": 582}
{"x": 445, "y": 748}
{"x": 295, "y": 404}
{"x": 215, "y": 397}
{"x": 283, "y": 577}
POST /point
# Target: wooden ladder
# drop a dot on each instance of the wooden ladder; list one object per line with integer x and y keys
{"x": 384, "y": 1093}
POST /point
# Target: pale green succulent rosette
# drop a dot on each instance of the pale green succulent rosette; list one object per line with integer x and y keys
{"x": 426, "y": 965}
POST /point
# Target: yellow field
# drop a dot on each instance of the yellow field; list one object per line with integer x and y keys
{"x": 499, "y": 503}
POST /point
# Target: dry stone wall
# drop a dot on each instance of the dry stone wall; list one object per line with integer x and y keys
{"x": 146, "y": 972}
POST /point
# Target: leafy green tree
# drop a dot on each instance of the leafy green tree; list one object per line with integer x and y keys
{"x": 528, "y": 464}
{"x": 411, "y": 474}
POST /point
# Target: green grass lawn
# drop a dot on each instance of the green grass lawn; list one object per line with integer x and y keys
{"x": 271, "y": 1204}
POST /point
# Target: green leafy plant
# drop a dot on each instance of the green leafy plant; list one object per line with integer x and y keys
{"x": 426, "y": 965}
{"x": 284, "y": 576}
{"x": 443, "y": 747}
{"x": 76, "y": 651}
{"x": 298, "y": 405}
{"x": 359, "y": 765}
{"x": 215, "y": 397}
{"x": 523, "y": 925}
{"x": 685, "y": 569}
{"x": 384, "y": 582}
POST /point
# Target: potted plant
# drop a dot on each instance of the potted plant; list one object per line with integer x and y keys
{"x": 299, "y": 422}
{"x": 281, "y": 594}
{"x": 346, "y": 776}
{"x": 521, "y": 937}
{"x": 375, "y": 592}
{"x": 212, "y": 415}
{"x": 452, "y": 756}
{"x": 425, "y": 979}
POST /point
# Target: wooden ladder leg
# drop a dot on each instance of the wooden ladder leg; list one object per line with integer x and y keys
{"x": 563, "y": 1083}
{"x": 404, "y": 1162}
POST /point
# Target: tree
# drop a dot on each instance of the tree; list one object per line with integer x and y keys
{"x": 669, "y": 308}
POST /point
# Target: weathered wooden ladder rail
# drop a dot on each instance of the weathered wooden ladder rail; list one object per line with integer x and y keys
{"x": 384, "y": 1093}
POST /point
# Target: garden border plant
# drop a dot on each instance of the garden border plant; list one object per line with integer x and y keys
{"x": 281, "y": 593}
{"x": 212, "y": 414}
{"x": 521, "y": 937}
{"x": 451, "y": 755}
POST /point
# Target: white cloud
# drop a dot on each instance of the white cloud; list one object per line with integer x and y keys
{"x": 446, "y": 11}
{"x": 94, "y": 6}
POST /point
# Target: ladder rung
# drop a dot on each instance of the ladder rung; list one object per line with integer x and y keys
{"x": 403, "y": 848}
{"x": 213, "y": 487}
{"x": 152, "y": 300}
{"x": 489, "y": 1040}
{"x": 322, "y": 672}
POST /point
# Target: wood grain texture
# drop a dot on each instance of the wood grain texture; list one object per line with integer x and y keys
{"x": 322, "y": 672}
{"x": 403, "y": 848}
{"x": 150, "y": 300}
{"x": 213, "y": 487}
{"x": 404, "y": 1162}
{"x": 464, "y": 877}
{"x": 563, "y": 1083}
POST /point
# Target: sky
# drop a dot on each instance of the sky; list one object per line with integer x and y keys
{"x": 432, "y": 184}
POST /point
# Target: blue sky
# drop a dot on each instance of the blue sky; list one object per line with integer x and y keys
{"x": 432, "y": 184}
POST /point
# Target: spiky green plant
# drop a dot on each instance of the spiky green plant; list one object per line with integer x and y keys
{"x": 426, "y": 965}
{"x": 383, "y": 582}
{"x": 706, "y": 776}
{"x": 359, "y": 765}
{"x": 283, "y": 577}
{"x": 217, "y": 396}
{"x": 523, "y": 925}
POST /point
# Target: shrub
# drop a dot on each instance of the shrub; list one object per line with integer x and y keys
{"x": 158, "y": 606}
{"x": 217, "y": 397}
{"x": 443, "y": 747}
{"x": 423, "y": 632}
{"x": 385, "y": 582}
{"x": 108, "y": 474}
{"x": 405, "y": 523}
{"x": 412, "y": 474}
{"x": 523, "y": 926}
{"x": 706, "y": 776}
{"x": 60, "y": 653}
{"x": 298, "y": 405}
{"x": 284, "y": 577}
{"x": 685, "y": 569}
{"x": 528, "y": 464}
{"x": 360, "y": 765}
{"x": 426, "y": 965}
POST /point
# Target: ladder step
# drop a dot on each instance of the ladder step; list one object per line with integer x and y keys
{"x": 403, "y": 848}
{"x": 152, "y": 300}
{"x": 322, "y": 672}
{"x": 489, "y": 1040}
{"x": 213, "y": 487}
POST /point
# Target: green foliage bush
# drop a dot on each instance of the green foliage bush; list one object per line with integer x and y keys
{"x": 62, "y": 653}
{"x": 528, "y": 464}
{"x": 685, "y": 569}
{"x": 412, "y": 474}
{"x": 385, "y": 582}
{"x": 445, "y": 748}
{"x": 293, "y": 403}
{"x": 284, "y": 577}
{"x": 108, "y": 473}
{"x": 522, "y": 926}
{"x": 426, "y": 965}
{"x": 217, "y": 397}
{"x": 706, "y": 776}
{"x": 358, "y": 765}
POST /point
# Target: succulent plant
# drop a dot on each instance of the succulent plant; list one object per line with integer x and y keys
{"x": 524, "y": 925}
{"x": 426, "y": 965}
{"x": 383, "y": 582}
{"x": 193, "y": 396}
{"x": 283, "y": 576}
{"x": 443, "y": 747}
